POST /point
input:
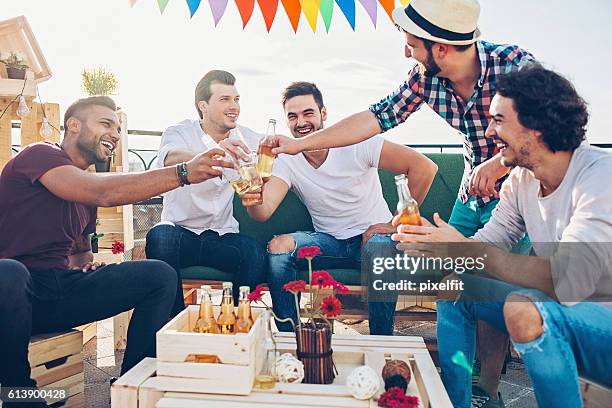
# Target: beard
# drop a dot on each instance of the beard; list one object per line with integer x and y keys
{"x": 90, "y": 149}
{"x": 430, "y": 68}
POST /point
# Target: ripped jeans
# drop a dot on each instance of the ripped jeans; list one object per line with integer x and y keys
{"x": 335, "y": 254}
{"x": 576, "y": 340}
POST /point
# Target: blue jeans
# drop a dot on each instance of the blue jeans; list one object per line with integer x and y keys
{"x": 468, "y": 218}
{"x": 181, "y": 248}
{"x": 335, "y": 254}
{"x": 575, "y": 339}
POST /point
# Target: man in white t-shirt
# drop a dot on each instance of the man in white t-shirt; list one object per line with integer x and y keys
{"x": 197, "y": 225}
{"x": 556, "y": 305}
{"x": 342, "y": 192}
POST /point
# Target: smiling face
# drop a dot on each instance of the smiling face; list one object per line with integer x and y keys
{"x": 303, "y": 115}
{"x": 415, "y": 48}
{"x": 98, "y": 132}
{"x": 518, "y": 144}
{"x": 222, "y": 109}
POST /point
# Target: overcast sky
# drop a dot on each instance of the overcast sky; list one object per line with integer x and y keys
{"x": 158, "y": 59}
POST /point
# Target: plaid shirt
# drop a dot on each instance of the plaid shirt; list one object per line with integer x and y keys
{"x": 471, "y": 118}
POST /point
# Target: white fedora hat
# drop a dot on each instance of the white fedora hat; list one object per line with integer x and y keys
{"x": 444, "y": 21}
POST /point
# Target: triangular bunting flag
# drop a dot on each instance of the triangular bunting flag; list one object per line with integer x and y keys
{"x": 245, "y": 7}
{"x": 268, "y": 9}
{"x": 388, "y": 6}
{"x": 327, "y": 9}
{"x": 293, "y": 10}
{"x": 404, "y": 2}
{"x": 348, "y": 9}
{"x": 193, "y": 6}
{"x": 162, "y": 5}
{"x": 311, "y": 11}
{"x": 217, "y": 7}
{"x": 370, "y": 8}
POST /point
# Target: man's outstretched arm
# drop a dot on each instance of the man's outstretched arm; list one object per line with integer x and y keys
{"x": 349, "y": 131}
{"x": 108, "y": 190}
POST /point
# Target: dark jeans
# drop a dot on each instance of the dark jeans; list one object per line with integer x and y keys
{"x": 232, "y": 253}
{"x": 37, "y": 301}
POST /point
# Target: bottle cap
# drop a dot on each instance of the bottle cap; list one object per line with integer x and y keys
{"x": 399, "y": 177}
{"x": 245, "y": 289}
{"x": 228, "y": 285}
{"x": 272, "y": 121}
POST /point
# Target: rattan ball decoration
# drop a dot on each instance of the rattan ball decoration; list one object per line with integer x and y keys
{"x": 289, "y": 369}
{"x": 363, "y": 382}
{"x": 396, "y": 373}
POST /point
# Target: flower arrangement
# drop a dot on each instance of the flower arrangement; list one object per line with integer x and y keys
{"x": 329, "y": 306}
{"x": 313, "y": 338}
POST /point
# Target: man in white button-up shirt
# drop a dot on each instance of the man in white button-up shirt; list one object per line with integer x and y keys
{"x": 197, "y": 225}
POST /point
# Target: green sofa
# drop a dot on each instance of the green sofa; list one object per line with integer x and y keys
{"x": 292, "y": 216}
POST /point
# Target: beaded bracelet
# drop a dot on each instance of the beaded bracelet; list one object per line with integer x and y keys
{"x": 181, "y": 172}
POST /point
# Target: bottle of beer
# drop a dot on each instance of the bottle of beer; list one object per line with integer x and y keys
{"x": 206, "y": 322}
{"x": 265, "y": 158}
{"x": 407, "y": 207}
{"x": 244, "y": 322}
{"x": 227, "y": 318}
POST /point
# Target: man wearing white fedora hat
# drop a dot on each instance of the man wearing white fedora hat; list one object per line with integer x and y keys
{"x": 455, "y": 75}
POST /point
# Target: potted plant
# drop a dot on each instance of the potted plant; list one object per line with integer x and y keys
{"x": 99, "y": 81}
{"x": 15, "y": 65}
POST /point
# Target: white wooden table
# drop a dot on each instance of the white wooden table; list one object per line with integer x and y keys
{"x": 142, "y": 388}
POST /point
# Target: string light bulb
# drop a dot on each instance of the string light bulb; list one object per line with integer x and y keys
{"x": 22, "y": 109}
{"x": 45, "y": 129}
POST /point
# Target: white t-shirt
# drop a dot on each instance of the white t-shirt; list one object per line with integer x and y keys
{"x": 206, "y": 205}
{"x": 344, "y": 195}
{"x": 572, "y": 225}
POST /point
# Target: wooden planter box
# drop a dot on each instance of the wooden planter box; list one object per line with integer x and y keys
{"x": 241, "y": 355}
{"x": 56, "y": 362}
{"x": 142, "y": 387}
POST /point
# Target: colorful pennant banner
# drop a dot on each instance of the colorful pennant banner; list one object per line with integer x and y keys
{"x": 293, "y": 9}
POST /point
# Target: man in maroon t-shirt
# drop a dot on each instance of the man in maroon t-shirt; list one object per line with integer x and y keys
{"x": 48, "y": 205}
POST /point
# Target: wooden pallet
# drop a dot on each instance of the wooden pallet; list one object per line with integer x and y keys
{"x": 56, "y": 361}
{"x": 30, "y": 124}
{"x": 142, "y": 388}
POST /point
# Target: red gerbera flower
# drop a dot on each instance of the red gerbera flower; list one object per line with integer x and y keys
{"x": 308, "y": 252}
{"x": 295, "y": 286}
{"x": 331, "y": 306}
{"x": 322, "y": 279}
{"x": 340, "y": 288}
{"x": 257, "y": 293}
{"x": 118, "y": 247}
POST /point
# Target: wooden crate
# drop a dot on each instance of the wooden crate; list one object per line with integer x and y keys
{"x": 56, "y": 361}
{"x": 241, "y": 354}
{"x": 30, "y": 125}
{"x": 142, "y": 387}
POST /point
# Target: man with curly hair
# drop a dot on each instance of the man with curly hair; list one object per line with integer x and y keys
{"x": 555, "y": 305}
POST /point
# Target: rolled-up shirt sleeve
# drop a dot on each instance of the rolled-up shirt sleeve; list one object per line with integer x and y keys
{"x": 171, "y": 139}
{"x": 396, "y": 107}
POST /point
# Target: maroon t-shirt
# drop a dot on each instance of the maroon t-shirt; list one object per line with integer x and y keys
{"x": 38, "y": 228}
